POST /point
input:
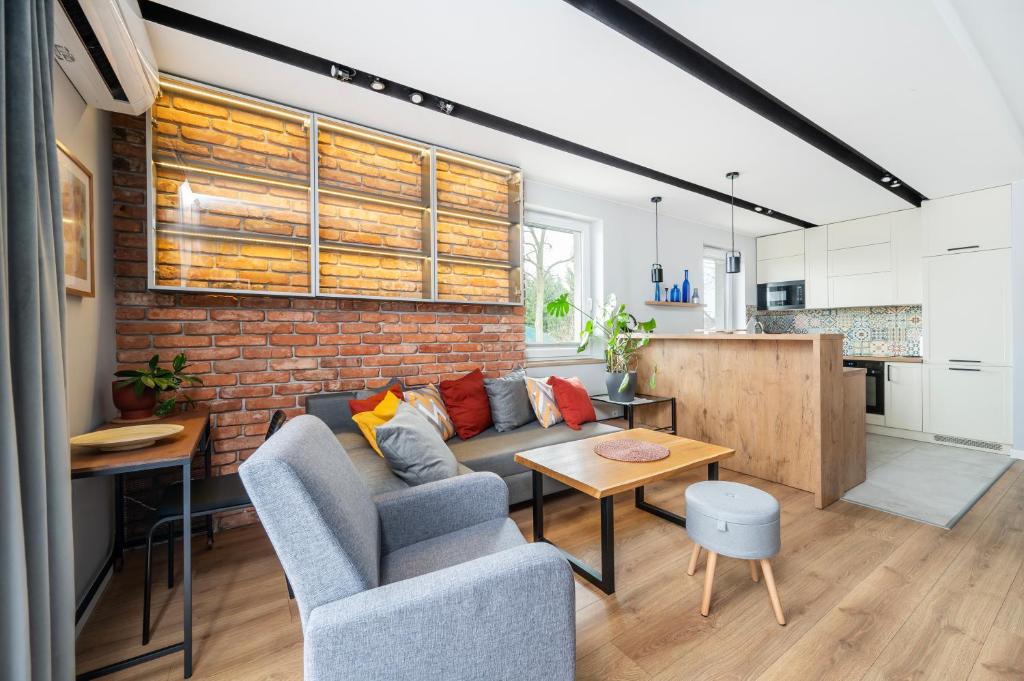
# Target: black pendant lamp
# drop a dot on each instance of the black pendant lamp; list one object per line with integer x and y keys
{"x": 732, "y": 258}
{"x": 657, "y": 274}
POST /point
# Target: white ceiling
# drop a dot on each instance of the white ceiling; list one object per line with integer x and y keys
{"x": 930, "y": 90}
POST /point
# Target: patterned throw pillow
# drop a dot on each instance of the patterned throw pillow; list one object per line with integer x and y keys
{"x": 428, "y": 404}
{"x": 542, "y": 398}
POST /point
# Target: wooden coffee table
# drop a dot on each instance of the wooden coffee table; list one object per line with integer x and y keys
{"x": 575, "y": 464}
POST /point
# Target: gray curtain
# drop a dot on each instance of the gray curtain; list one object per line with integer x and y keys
{"x": 37, "y": 637}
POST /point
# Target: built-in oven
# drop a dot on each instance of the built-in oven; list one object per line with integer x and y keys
{"x": 781, "y": 295}
{"x": 874, "y": 384}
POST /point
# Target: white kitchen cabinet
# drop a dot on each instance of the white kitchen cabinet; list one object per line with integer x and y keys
{"x": 790, "y": 268}
{"x": 907, "y": 257}
{"x": 861, "y": 290}
{"x": 967, "y": 308}
{"x": 860, "y": 260}
{"x": 969, "y": 402}
{"x": 785, "y": 245}
{"x": 861, "y": 232}
{"x": 816, "y": 267}
{"x": 975, "y": 221}
{"x": 903, "y": 407}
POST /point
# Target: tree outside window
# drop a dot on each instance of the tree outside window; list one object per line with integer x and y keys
{"x": 550, "y": 268}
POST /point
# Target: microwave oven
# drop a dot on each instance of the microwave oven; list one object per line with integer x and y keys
{"x": 781, "y": 295}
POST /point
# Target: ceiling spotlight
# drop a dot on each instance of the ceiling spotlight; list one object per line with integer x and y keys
{"x": 445, "y": 106}
{"x": 758, "y": 208}
{"x": 378, "y": 84}
{"x": 886, "y": 178}
{"x": 770, "y": 211}
{"x": 416, "y": 97}
{"x": 341, "y": 73}
{"x": 895, "y": 183}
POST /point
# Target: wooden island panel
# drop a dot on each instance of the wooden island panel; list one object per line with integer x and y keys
{"x": 780, "y": 403}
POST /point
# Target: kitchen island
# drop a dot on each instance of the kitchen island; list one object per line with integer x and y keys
{"x": 783, "y": 402}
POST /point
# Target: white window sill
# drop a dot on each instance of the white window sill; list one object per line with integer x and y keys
{"x": 561, "y": 361}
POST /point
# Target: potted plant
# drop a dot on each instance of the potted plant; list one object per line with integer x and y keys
{"x": 620, "y": 331}
{"x": 136, "y": 393}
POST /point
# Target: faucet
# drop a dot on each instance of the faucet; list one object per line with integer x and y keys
{"x": 758, "y": 325}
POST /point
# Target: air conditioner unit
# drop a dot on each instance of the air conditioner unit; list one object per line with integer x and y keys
{"x": 103, "y": 48}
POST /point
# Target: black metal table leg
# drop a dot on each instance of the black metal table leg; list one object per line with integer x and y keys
{"x": 186, "y": 556}
{"x": 207, "y": 446}
{"x": 118, "y": 522}
{"x": 664, "y": 514}
{"x": 604, "y": 580}
{"x": 675, "y": 430}
{"x": 628, "y": 409}
{"x": 713, "y": 470}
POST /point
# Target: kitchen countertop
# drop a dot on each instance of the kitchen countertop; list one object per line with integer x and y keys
{"x": 743, "y": 336}
{"x": 885, "y": 358}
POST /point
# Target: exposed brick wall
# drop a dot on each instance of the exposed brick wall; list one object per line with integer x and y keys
{"x": 261, "y": 353}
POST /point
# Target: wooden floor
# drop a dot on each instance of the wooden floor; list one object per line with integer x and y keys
{"x": 867, "y": 596}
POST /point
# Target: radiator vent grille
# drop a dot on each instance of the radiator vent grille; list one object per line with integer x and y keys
{"x": 965, "y": 442}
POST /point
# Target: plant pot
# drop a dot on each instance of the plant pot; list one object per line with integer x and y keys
{"x": 612, "y": 381}
{"x": 133, "y": 406}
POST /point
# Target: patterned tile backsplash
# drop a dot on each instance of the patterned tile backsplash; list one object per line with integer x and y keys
{"x": 891, "y": 331}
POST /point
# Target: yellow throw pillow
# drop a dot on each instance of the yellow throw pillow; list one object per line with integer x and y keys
{"x": 542, "y": 398}
{"x": 381, "y": 414}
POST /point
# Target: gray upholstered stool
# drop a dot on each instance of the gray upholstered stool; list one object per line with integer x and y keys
{"x": 733, "y": 520}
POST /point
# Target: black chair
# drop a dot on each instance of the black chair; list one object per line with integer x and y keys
{"x": 209, "y": 495}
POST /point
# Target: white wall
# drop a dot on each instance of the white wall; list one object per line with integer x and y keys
{"x": 628, "y": 250}
{"x": 89, "y": 354}
{"x": 1017, "y": 279}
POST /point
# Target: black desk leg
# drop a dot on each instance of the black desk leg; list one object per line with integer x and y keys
{"x": 604, "y": 580}
{"x": 628, "y": 409}
{"x": 538, "y": 506}
{"x": 186, "y": 550}
{"x": 675, "y": 430}
{"x": 713, "y": 471}
{"x": 207, "y": 446}
{"x": 118, "y": 522}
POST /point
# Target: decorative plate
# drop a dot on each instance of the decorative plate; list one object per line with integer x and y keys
{"x": 634, "y": 451}
{"x": 129, "y": 437}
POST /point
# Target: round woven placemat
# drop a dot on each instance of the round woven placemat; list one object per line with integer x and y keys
{"x": 633, "y": 451}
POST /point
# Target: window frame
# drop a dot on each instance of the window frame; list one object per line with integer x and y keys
{"x": 582, "y": 229}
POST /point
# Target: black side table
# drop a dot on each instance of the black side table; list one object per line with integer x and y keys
{"x": 628, "y": 408}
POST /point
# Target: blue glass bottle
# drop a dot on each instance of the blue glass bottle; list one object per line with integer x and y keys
{"x": 657, "y": 292}
{"x": 686, "y": 287}
{"x": 674, "y": 295}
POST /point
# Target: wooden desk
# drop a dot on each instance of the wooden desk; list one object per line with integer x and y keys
{"x": 174, "y": 451}
{"x": 575, "y": 464}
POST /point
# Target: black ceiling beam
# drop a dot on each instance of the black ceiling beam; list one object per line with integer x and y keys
{"x": 204, "y": 28}
{"x": 651, "y": 33}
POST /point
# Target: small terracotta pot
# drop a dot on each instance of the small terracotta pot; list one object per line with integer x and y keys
{"x": 131, "y": 405}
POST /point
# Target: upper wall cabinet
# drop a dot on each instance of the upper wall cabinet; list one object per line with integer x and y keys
{"x": 816, "y": 267}
{"x": 906, "y": 257}
{"x": 976, "y": 221}
{"x": 780, "y": 257}
{"x": 876, "y": 229}
{"x": 252, "y": 197}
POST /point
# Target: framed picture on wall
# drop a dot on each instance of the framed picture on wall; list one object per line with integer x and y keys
{"x": 77, "y": 217}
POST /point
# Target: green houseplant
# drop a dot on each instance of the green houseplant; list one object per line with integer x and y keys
{"x": 620, "y": 330}
{"x": 136, "y": 393}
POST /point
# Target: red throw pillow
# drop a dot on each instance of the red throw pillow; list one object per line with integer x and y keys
{"x": 466, "y": 402}
{"x": 572, "y": 400}
{"x": 359, "y": 406}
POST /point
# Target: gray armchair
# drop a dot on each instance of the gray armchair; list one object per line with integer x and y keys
{"x": 432, "y": 582}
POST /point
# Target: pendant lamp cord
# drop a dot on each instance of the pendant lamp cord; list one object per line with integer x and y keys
{"x": 732, "y": 210}
{"x": 656, "y": 251}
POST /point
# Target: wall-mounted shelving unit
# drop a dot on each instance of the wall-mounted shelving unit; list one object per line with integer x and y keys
{"x": 236, "y": 208}
{"x": 665, "y": 303}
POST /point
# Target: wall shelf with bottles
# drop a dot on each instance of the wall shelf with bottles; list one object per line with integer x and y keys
{"x": 665, "y": 303}
{"x": 235, "y": 206}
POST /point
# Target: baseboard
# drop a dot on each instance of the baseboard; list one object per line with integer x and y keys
{"x": 92, "y": 596}
{"x": 930, "y": 439}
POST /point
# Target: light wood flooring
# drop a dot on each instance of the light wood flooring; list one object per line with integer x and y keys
{"x": 867, "y": 596}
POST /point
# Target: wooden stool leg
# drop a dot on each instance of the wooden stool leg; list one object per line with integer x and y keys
{"x": 709, "y": 580}
{"x": 693, "y": 560}
{"x": 753, "y": 570}
{"x": 773, "y": 593}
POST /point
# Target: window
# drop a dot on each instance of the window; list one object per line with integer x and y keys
{"x": 554, "y": 262}
{"x": 714, "y": 288}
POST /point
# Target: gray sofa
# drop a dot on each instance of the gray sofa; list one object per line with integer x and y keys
{"x": 429, "y": 582}
{"x": 489, "y": 451}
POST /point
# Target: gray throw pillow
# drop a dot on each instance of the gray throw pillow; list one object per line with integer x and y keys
{"x": 510, "y": 403}
{"x": 414, "y": 449}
